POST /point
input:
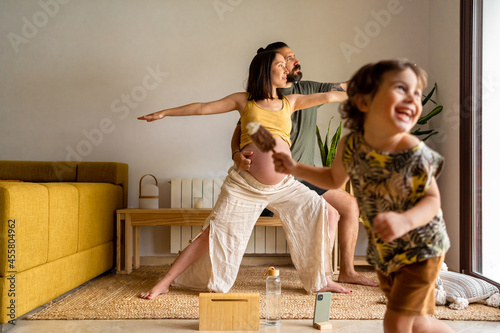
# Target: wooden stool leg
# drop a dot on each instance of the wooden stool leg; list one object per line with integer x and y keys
{"x": 137, "y": 258}
{"x": 119, "y": 244}
{"x": 128, "y": 244}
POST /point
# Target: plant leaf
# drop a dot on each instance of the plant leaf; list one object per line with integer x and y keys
{"x": 437, "y": 110}
{"x": 428, "y": 136}
{"x": 328, "y": 132}
{"x": 333, "y": 146}
{"x": 419, "y": 132}
{"x": 429, "y": 95}
{"x": 320, "y": 145}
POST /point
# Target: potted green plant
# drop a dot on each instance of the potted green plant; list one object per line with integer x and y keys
{"x": 328, "y": 148}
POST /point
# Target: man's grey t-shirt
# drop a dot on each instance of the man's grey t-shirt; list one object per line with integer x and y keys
{"x": 303, "y": 133}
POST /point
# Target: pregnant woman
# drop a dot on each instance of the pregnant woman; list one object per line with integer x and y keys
{"x": 211, "y": 261}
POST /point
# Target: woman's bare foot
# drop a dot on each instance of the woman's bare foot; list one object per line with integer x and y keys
{"x": 334, "y": 287}
{"x": 356, "y": 278}
{"x": 159, "y": 289}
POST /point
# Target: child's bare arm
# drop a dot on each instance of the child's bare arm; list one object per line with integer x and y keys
{"x": 324, "y": 177}
{"x": 320, "y": 177}
{"x": 392, "y": 225}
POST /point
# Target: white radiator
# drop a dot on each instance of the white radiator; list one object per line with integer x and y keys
{"x": 191, "y": 192}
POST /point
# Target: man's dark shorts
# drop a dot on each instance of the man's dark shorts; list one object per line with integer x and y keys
{"x": 320, "y": 191}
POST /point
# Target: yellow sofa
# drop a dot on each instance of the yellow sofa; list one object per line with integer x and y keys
{"x": 57, "y": 228}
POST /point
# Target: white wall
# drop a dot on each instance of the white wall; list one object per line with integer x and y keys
{"x": 77, "y": 74}
{"x": 444, "y": 69}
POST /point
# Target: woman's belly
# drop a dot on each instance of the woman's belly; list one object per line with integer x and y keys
{"x": 262, "y": 166}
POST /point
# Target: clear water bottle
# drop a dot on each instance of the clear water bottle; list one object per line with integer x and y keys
{"x": 273, "y": 297}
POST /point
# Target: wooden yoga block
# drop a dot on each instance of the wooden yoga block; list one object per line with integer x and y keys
{"x": 229, "y": 312}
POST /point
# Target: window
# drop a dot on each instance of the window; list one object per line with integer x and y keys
{"x": 479, "y": 177}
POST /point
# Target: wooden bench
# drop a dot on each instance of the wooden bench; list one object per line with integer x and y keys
{"x": 131, "y": 219}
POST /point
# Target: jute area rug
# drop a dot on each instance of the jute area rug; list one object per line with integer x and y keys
{"x": 116, "y": 297}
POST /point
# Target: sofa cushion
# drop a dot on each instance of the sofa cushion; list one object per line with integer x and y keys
{"x": 63, "y": 220}
{"x": 24, "y": 226}
{"x": 98, "y": 203}
{"x": 105, "y": 172}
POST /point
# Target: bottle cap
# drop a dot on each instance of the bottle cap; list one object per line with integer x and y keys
{"x": 271, "y": 271}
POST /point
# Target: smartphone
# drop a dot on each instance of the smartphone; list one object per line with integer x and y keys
{"x": 322, "y": 307}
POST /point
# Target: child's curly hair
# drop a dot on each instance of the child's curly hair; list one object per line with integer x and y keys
{"x": 366, "y": 81}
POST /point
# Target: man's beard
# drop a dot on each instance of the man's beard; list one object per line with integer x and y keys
{"x": 294, "y": 76}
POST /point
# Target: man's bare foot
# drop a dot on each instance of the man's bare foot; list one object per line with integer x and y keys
{"x": 159, "y": 289}
{"x": 334, "y": 287}
{"x": 356, "y": 278}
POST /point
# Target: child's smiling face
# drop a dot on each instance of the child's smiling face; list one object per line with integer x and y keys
{"x": 397, "y": 104}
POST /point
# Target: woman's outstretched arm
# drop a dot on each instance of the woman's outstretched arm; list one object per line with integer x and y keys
{"x": 229, "y": 103}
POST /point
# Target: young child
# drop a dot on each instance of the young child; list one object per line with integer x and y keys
{"x": 393, "y": 175}
{"x": 213, "y": 258}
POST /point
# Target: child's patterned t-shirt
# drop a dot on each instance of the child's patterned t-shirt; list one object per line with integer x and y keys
{"x": 384, "y": 182}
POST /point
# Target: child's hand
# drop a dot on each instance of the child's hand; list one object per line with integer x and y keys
{"x": 283, "y": 163}
{"x": 391, "y": 225}
{"x": 152, "y": 116}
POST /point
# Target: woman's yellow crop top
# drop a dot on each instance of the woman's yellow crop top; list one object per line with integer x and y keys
{"x": 278, "y": 122}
